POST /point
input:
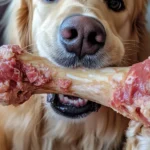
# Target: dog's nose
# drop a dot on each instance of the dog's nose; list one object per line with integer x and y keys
{"x": 82, "y": 35}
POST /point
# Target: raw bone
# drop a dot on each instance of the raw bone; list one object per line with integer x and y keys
{"x": 126, "y": 90}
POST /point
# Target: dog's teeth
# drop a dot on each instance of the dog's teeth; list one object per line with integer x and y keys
{"x": 61, "y": 97}
{"x": 71, "y": 102}
{"x": 66, "y": 100}
{"x": 62, "y": 100}
{"x": 76, "y": 103}
{"x": 81, "y": 102}
{"x": 85, "y": 101}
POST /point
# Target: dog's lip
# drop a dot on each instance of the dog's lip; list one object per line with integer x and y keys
{"x": 70, "y": 111}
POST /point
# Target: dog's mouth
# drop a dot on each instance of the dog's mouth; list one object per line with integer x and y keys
{"x": 71, "y": 107}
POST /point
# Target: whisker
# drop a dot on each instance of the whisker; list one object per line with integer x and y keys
{"x": 26, "y": 47}
{"x": 130, "y": 41}
{"x": 136, "y": 46}
{"x": 132, "y": 48}
{"x": 29, "y": 46}
{"x": 133, "y": 44}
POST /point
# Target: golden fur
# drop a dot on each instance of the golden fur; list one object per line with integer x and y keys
{"x": 33, "y": 125}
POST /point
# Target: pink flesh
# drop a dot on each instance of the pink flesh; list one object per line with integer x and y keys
{"x": 17, "y": 80}
{"x": 135, "y": 91}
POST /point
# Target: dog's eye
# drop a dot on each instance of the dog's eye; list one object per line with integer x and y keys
{"x": 50, "y": 1}
{"x": 116, "y": 5}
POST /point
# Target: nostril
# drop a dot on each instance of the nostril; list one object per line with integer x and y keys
{"x": 69, "y": 33}
{"x": 99, "y": 39}
{"x": 95, "y": 38}
{"x": 82, "y": 35}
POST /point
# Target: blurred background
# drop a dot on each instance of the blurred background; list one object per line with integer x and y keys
{"x": 148, "y": 16}
{"x": 3, "y": 6}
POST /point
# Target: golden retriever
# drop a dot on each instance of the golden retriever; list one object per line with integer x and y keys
{"x": 79, "y": 33}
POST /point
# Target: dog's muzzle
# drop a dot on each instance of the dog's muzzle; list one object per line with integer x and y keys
{"x": 80, "y": 40}
{"x": 82, "y": 35}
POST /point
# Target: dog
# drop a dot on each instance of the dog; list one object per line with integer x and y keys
{"x": 80, "y": 33}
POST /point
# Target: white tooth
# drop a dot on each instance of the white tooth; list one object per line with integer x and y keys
{"x": 61, "y": 100}
{"x": 61, "y": 97}
{"x": 77, "y": 103}
{"x": 66, "y": 100}
{"x": 71, "y": 102}
{"x": 80, "y": 102}
{"x": 74, "y": 102}
{"x": 85, "y": 100}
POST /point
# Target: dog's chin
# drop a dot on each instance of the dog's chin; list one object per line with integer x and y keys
{"x": 71, "y": 107}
